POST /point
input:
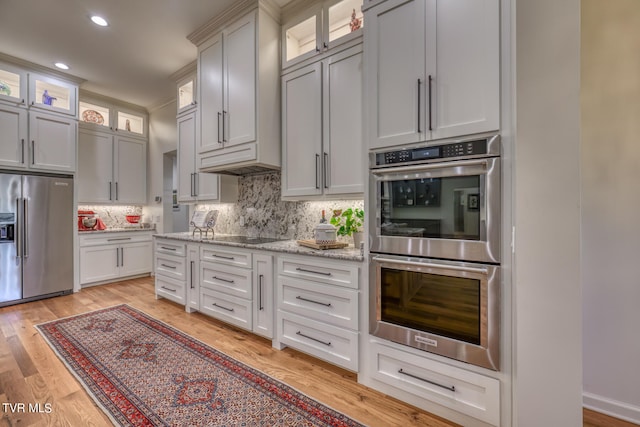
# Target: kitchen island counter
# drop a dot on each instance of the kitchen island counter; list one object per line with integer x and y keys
{"x": 284, "y": 246}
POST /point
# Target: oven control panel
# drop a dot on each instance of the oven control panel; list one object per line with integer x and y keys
{"x": 434, "y": 152}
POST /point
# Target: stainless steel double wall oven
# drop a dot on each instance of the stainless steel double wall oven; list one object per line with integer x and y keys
{"x": 435, "y": 248}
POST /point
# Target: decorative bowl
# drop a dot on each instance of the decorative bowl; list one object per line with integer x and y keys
{"x": 89, "y": 222}
{"x": 133, "y": 219}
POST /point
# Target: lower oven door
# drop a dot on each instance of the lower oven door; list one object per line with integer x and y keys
{"x": 443, "y": 307}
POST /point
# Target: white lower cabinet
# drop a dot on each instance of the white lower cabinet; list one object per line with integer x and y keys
{"x": 318, "y": 308}
{"x": 467, "y": 392}
{"x": 114, "y": 256}
{"x": 170, "y": 268}
{"x": 263, "y": 295}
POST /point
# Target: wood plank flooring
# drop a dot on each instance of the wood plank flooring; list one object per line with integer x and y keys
{"x": 31, "y": 373}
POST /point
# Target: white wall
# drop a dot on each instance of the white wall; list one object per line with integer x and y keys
{"x": 162, "y": 138}
{"x": 611, "y": 205}
{"x": 547, "y": 309}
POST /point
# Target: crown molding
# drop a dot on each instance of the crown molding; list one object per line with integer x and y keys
{"x": 185, "y": 71}
{"x": 92, "y": 96}
{"x": 41, "y": 69}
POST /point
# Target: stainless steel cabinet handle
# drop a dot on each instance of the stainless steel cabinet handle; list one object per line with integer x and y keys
{"x": 191, "y": 278}
{"x": 432, "y": 167}
{"x": 430, "y": 95}
{"x": 168, "y": 289}
{"x": 118, "y": 239}
{"x": 452, "y": 388}
{"x": 223, "y": 257}
{"x": 326, "y": 304}
{"x": 110, "y": 197}
{"x": 168, "y": 266}
{"x": 117, "y": 190}
{"x": 260, "y": 284}
{"x": 223, "y": 280}
{"x": 121, "y": 257}
{"x": 326, "y": 171}
{"x": 33, "y": 152}
{"x": 419, "y": 109}
{"x": 25, "y": 225}
{"x": 22, "y": 145}
{"x": 219, "y": 127}
{"x": 195, "y": 184}
{"x": 328, "y": 344}
{"x": 168, "y": 249}
{"x": 223, "y": 307}
{"x": 117, "y": 257}
{"x": 312, "y": 271}
{"x": 224, "y": 126}
{"x": 317, "y": 160}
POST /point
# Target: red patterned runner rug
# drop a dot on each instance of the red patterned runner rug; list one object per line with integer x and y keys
{"x": 144, "y": 372}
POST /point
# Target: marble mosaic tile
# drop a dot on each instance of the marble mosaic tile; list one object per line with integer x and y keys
{"x": 114, "y": 216}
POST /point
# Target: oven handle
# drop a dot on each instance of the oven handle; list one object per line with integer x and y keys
{"x": 427, "y": 264}
{"x": 421, "y": 168}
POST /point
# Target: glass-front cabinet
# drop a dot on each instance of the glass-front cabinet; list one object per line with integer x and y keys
{"x": 94, "y": 114}
{"x": 104, "y": 116}
{"x": 13, "y": 84}
{"x": 130, "y": 122}
{"x": 186, "y": 94}
{"x": 51, "y": 94}
{"x": 320, "y": 28}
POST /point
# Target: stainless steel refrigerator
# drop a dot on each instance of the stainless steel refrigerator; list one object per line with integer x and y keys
{"x": 36, "y": 237}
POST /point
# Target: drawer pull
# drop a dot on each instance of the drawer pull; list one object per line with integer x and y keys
{"x": 168, "y": 266}
{"x": 167, "y": 249}
{"x": 326, "y": 304}
{"x": 224, "y": 257}
{"x": 312, "y": 271}
{"x": 260, "y": 279}
{"x": 222, "y": 307}
{"x": 223, "y": 280}
{"x": 121, "y": 238}
{"x": 328, "y": 344}
{"x": 451, "y": 388}
{"x": 168, "y": 289}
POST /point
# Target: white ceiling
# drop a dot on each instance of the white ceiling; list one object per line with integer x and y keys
{"x": 131, "y": 59}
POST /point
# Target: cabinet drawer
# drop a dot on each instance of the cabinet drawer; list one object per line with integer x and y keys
{"x": 327, "y": 303}
{"x": 463, "y": 391}
{"x": 227, "y": 308}
{"x": 171, "y": 289}
{"x": 170, "y": 266}
{"x": 335, "y": 345}
{"x": 340, "y": 274}
{"x": 234, "y": 281}
{"x": 223, "y": 255}
{"x": 100, "y": 239}
{"x": 170, "y": 247}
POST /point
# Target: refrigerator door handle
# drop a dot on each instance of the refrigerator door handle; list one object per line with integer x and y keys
{"x": 16, "y": 235}
{"x": 25, "y": 226}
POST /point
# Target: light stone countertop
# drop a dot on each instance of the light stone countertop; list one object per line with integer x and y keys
{"x": 115, "y": 230}
{"x": 285, "y": 246}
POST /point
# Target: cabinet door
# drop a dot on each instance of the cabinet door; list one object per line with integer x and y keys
{"x": 51, "y": 94}
{"x": 239, "y": 114}
{"x": 343, "y": 155}
{"x": 95, "y": 167}
{"x": 130, "y": 170}
{"x": 466, "y": 85}
{"x": 302, "y": 131}
{"x": 193, "y": 278}
{"x": 186, "y": 157}
{"x": 13, "y": 136}
{"x": 263, "y": 301}
{"x": 53, "y": 142}
{"x": 99, "y": 263}
{"x": 135, "y": 258}
{"x": 210, "y": 95}
{"x": 207, "y": 186}
{"x": 395, "y": 81}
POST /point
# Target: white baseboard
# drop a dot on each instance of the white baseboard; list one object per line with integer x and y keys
{"x": 614, "y": 408}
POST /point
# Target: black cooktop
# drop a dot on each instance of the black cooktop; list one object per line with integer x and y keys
{"x": 245, "y": 239}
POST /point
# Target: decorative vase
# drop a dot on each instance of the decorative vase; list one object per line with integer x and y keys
{"x": 358, "y": 238}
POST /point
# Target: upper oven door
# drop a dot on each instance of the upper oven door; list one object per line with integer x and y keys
{"x": 448, "y": 210}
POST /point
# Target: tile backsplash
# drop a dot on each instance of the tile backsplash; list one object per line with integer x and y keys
{"x": 114, "y": 216}
{"x": 266, "y": 215}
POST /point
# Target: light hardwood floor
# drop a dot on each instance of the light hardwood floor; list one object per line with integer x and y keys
{"x": 31, "y": 373}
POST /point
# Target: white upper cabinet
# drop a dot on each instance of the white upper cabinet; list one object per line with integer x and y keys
{"x": 238, "y": 94}
{"x": 13, "y": 136}
{"x": 50, "y": 94}
{"x": 105, "y": 116}
{"x": 322, "y": 127}
{"x": 52, "y": 142}
{"x": 319, "y": 28}
{"x": 432, "y": 70}
{"x": 186, "y": 95}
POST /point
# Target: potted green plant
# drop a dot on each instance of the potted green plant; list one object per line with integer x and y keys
{"x": 349, "y": 223}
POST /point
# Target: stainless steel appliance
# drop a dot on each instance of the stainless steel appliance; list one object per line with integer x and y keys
{"x": 435, "y": 248}
{"x": 449, "y": 308}
{"x": 439, "y": 201}
{"x": 36, "y": 237}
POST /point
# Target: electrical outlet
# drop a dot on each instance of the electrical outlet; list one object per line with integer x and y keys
{"x": 241, "y": 221}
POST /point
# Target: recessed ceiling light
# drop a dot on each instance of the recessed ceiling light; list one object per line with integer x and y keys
{"x": 99, "y": 20}
{"x": 61, "y": 65}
